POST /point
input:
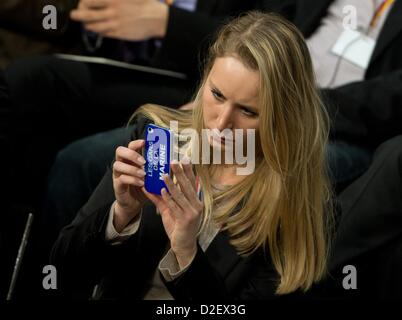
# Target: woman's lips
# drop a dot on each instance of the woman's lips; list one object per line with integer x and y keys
{"x": 221, "y": 139}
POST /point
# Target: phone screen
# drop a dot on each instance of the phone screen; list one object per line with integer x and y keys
{"x": 158, "y": 152}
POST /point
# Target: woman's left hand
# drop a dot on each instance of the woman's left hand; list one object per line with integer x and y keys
{"x": 181, "y": 212}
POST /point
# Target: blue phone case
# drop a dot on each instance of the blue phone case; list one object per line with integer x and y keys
{"x": 158, "y": 154}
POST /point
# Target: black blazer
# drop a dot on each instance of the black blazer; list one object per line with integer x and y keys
{"x": 83, "y": 258}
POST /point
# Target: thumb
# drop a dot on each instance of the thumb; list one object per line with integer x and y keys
{"x": 156, "y": 200}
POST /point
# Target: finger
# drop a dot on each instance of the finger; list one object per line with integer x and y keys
{"x": 126, "y": 154}
{"x": 92, "y": 16}
{"x": 102, "y": 27}
{"x": 156, "y": 200}
{"x": 124, "y": 180}
{"x": 187, "y": 187}
{"x": 175, "y": 194}
{"x": 115, "y": 34}
{"x": 120, "y": 168}
{"x": 188, "y": 171}
{"x": 170, "y": 202}
{"x": 136, "y": 144}
{"x": 95, "y": 4}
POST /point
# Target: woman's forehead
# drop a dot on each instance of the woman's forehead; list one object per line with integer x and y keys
{"x": 234, "y": 80}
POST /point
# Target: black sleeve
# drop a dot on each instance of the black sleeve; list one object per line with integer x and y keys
{"x": 81, "y": 254}
{"x": 366, "y": 112}
{"x": 189, "y": 35}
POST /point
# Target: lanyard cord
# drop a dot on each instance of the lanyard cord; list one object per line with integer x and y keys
{"x": 379, "y": 11}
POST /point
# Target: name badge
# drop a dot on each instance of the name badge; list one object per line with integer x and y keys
{"x": 355, "y": 47}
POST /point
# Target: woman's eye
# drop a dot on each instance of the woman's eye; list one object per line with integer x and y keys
{"x": 217, "y": 95}
{"x": 248, "y": 112}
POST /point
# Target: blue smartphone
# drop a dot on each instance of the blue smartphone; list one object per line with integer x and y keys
{"x": 158, "y": 152}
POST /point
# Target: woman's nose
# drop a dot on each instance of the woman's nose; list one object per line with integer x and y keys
{"x": 225, "y": 117}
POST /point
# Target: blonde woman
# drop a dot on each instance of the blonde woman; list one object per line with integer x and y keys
{"x": 252, "y": 236}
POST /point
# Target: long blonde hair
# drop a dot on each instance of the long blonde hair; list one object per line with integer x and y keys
{"x": 283, "y": 206}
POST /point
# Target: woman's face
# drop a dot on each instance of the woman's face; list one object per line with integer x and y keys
{"x": 230, "y": 99}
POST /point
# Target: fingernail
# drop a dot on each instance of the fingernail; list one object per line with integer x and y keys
{"x": 142, "y": 160}
{"x": 142, "y": 173}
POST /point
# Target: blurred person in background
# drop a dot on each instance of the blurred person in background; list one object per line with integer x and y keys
{"x": 22, "y": 33}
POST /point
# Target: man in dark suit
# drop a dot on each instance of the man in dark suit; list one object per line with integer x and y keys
{"x": 364, "y": 111}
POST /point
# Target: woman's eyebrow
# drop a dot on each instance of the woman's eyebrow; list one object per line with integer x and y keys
{"x": 214, "y": 87}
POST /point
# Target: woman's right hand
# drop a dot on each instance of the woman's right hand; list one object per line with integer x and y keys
{"x": 128, "y": 181}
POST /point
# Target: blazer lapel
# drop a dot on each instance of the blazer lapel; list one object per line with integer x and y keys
{"x": 390, "y": 30}
{"x": 222, "y": 255}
